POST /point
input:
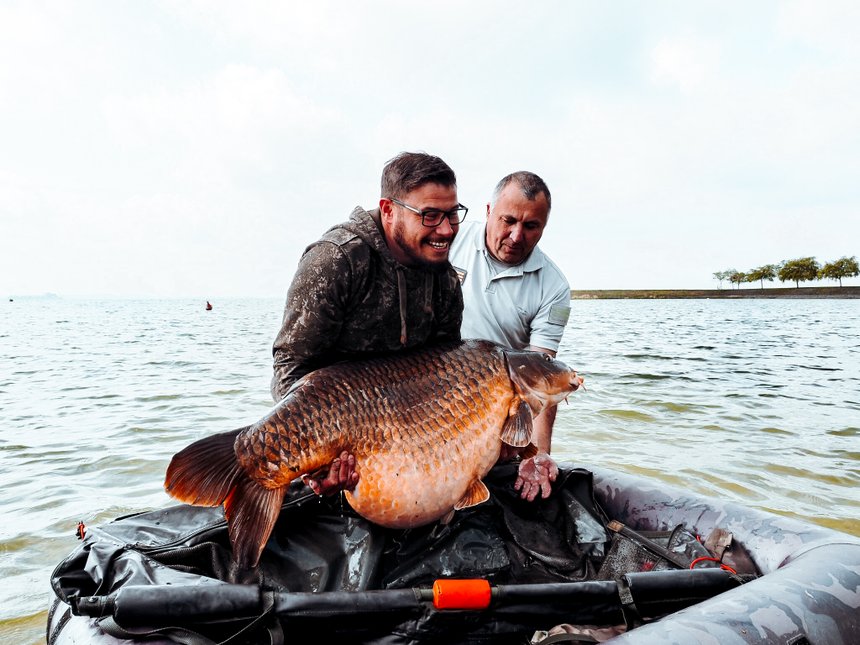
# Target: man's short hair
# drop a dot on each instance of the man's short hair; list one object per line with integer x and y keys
{"x": 411, "y": 170}
{"x": 529, "y": 183}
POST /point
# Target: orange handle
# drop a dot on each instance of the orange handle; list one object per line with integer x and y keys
{"x": 461, "y": 594}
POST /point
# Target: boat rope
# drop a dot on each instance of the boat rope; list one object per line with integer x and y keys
{"x": 706, "y": 558}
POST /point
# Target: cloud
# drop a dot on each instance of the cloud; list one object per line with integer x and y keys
{"x": 829, "y": 28}
{"x": 210, "y": 130}
{"x": 197, "y": 147}
{"x": 689, "y": 62}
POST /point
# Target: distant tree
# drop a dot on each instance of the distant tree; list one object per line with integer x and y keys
{"x": 737, "y": 277}
{"x": 841, "y": 268}
{"x": 801, "y": 269}
{"x": 766, "y": 272}
{"x": 723, "y": 275}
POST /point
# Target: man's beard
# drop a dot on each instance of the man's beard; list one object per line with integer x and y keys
{"x": 417, "y": 261}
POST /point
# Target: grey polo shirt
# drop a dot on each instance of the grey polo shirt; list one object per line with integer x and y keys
{"x": 516, "y": 306}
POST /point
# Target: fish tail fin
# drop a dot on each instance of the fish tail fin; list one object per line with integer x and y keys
{"x": 251, "y": 511}
{"x": 204, "y": 473}
{"x": 207, "y": 473}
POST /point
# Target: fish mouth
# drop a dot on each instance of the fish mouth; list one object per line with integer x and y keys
{"x": 576, "y": 382}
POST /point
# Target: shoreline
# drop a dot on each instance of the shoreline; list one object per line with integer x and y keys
{"x": 775, "y": 292}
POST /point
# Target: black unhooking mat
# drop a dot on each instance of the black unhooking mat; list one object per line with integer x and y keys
{"x": 321, "y": 545}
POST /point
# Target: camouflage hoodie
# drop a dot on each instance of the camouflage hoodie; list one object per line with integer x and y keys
{"x": 351, "y": 299}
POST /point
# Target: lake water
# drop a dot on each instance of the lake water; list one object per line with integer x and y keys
{"x": 757, "y": 401}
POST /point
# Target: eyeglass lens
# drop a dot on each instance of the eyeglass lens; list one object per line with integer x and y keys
{"x": 433, "y": 217}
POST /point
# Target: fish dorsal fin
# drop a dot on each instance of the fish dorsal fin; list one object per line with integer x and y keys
{"x": 517, "y": 429}
{"x": 474, "y": 495}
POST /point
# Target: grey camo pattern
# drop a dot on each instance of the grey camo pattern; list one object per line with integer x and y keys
{"x": 810, "y": 590}
{"x": 350, "y": 299}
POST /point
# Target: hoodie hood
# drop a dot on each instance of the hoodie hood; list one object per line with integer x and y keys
{"x": 368, "y": 226}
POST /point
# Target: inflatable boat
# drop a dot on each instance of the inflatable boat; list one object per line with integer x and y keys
{"x": 608, "y": 557}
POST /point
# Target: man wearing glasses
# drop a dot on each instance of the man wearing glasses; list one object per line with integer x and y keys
{"x": 515, "y": 295}
{"x": 378, "y": 283}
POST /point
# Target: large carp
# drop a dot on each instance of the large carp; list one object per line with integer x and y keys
{"x": 425, "y": 427}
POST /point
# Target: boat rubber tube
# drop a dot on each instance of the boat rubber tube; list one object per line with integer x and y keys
{"x": 653, "y": 593}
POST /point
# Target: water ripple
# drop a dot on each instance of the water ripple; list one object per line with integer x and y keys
{"x": 752, "y": 401}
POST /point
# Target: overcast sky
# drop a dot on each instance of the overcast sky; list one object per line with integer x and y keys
{"x": 194, "y": 148}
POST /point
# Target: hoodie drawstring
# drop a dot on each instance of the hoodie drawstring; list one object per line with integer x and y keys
{"x": 402, "y": 293}
{"x": 428, "y": 293}
{"x": 401, "y": 289}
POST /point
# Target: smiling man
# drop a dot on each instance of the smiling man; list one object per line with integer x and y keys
{"x": 376, "y": 284}
{"x": 515, "y": 295}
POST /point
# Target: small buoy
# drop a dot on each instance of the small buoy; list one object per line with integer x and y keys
{"x": 208, "y": 306}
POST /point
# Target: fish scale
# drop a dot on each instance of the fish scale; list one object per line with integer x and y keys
{"x": 424, "y": 426}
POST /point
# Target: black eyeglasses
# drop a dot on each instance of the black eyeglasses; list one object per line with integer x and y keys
{"x": 433, "y": 216}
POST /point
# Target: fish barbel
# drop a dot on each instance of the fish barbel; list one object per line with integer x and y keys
{"x": 424, "y": 426}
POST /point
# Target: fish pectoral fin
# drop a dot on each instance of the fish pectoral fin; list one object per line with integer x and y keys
{"x": 529, "y": 451}
{"x": 251, "y": 511}
{"x": 517, "y": 429}
{"x": 474, "y": 495}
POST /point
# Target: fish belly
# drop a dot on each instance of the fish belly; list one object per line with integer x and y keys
{"x": 403, "y": 488}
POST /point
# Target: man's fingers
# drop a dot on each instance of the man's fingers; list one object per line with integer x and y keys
{"x": 346, "y": 477}
{"x": 350, "y": 476}
{"x": 347, "y": 467}
{"x": 535, "y": 477}
{"x": 314, "y": 485}
{"x": 531, "y": 492}
{"x": 341, "y": 474}
{"x": 545, "y": 489}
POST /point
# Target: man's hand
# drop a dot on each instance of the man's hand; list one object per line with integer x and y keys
{"x": 341, "y": 475}
{"x": 536, "y": 475}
